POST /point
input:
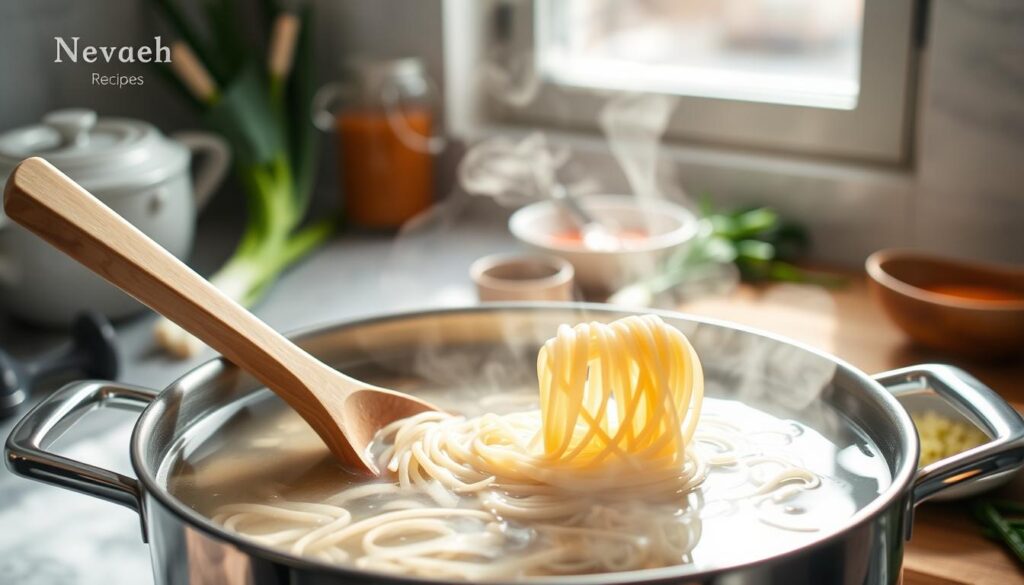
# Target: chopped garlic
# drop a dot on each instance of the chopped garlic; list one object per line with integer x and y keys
{"x": 942, "y": 437}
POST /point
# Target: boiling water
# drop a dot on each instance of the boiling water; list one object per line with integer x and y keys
{"x": 261, "y": 452}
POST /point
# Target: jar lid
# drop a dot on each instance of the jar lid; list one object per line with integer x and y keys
{"x": 373, "y": 71}
{"x": 99, "y": 153}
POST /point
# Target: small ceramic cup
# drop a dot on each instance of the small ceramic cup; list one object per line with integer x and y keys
{"x": 522, "y": 277}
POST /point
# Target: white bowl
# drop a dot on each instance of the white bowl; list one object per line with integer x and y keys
{"x": 670, "y": 227}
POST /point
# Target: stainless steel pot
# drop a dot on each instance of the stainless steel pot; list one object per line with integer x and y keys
{"x": 494, "y": 347}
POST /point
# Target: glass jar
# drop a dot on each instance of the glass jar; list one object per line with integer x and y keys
{"x": 383, "y": 120}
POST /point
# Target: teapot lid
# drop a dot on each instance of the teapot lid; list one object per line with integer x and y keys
{"x": 99, "y": 153}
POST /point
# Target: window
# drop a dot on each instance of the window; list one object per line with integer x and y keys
{"x": 809, "y": 76}
{"x": 797, "y": 52}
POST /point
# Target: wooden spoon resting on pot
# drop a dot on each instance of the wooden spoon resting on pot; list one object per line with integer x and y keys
{"x": 345, "y": 412}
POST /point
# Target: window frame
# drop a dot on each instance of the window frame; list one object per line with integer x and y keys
{"x": 876, "y": 130}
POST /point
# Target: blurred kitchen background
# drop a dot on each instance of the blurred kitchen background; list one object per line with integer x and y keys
{"x": 806, "y": 135}
{"x": 876, "y": 123}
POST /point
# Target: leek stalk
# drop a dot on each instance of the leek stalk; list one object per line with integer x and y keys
{"x": 261, "y": 105}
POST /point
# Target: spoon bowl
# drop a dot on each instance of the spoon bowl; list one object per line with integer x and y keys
{"x": 344, "y": 412}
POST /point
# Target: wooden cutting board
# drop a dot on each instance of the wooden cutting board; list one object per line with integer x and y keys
{"x": 947, "y": 546}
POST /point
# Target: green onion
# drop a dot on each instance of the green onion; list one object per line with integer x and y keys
{"x": 261, "y": 105}
{"x": 1008, "y": 531}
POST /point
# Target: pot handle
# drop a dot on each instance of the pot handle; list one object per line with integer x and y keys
{"x": 27, "y": 453}
{"x": 217, "y": 159}
{"x": 982, "y": 406}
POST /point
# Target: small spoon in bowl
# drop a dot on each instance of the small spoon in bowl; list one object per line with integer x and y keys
{"x": 595, "y": 235}
{"x": 345, "y": 412}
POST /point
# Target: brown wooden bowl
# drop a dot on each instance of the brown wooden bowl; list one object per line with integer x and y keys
{"x": 906, "y": 284}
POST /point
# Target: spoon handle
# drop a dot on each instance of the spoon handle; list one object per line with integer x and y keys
{"x": 48, "y": 203}
{"x": 570, "y": 204}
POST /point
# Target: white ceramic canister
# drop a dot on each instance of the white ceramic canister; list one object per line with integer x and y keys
{"x": 134, "y": 169}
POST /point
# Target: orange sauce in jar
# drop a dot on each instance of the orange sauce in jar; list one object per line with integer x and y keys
{"x": 976, "y": 292}
{"x": 384, "y": 181}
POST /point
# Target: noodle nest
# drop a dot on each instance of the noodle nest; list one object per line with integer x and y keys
{"x": 602, "y": 478}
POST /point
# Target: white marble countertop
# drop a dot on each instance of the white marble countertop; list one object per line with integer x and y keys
{"x": 50, "y": 536}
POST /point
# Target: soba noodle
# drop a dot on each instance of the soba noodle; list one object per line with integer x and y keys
{"x": 602, "y": 478}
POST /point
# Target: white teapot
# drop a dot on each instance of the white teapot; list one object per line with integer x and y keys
{"x": 133, "y": 168}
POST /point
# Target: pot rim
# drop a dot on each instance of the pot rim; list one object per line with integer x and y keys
{"x": 898, "y": 488}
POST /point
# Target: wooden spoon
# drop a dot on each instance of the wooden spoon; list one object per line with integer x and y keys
{"x": 345, "y": 412}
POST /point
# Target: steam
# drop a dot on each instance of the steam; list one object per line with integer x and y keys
{"x": 511, "y": 77}
{"x": 516, "y": 172}
{"x": 511, "y": 172}
{"x": 770, "y": 375}
{"x": 776, "y": 377}
{"x": 634, "y": 125}
{"x": 412, "y": 263}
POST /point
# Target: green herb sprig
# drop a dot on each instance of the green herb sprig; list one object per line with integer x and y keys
{"x": 1004, "y": 521}
{"x": 757, "y": 240}
{"x": 761, "y": 244}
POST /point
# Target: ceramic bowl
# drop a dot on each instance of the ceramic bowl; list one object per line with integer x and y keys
{"x": 522, "y": 277}
{"x": 905, "y": 283}
{"x": 669, "y": 226}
